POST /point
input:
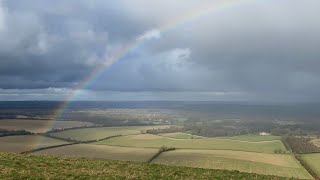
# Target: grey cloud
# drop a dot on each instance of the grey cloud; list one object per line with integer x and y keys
{"x": 261, "y": 49}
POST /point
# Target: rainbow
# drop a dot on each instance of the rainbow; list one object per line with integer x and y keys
{"x": 216, "y": 6}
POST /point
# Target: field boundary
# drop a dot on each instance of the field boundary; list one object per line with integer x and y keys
{"x": 83, "y": 142}
{"x": 161, "y": 150}
{"x": 49, "y": 147}
{"x": 306, "y": 166}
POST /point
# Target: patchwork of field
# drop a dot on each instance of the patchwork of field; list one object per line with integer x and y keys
{"x": 102, "y": 132}
{"x": 154, "y": 141}
{"x": 270, "y": 164}
{"x": 40, "y": 126}
{"x": 20, "y": 144}
{"x": 102, "y": 152}
{"x": 313, "y": 160}
{"x": 181, "y": 135}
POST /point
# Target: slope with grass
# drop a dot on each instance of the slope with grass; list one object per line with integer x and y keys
{"x": 270, "y": 164}
{"x": 148, "y": 140}
{"x": 102, "y": 132}
{"x": 26, "y": 143}
{"x": 313, "y": 161}
{"x": 40, "y": 126}
{"x": 102, "y": 152}
{"x": 13, "y": 166}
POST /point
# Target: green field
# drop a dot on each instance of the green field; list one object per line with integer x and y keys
{"x": 271, "y": 164}
{"x": 103, "y": 132}
{"x": 253, "y": 138}
{"x": 39, "y": 126}
{"x": 102, "y": 152}
{"x": 13, "y": 166}
{"x": 27, "y": 142}
{"x": 148, "y": 140}
{"x": 181, "y": 135}
{"x": 313, "y": 160}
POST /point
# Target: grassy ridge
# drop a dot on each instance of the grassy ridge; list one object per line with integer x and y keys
{"x": 14, "y": 166}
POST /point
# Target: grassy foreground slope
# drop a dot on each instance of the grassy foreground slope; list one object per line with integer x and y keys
{"x": 102, "y": 152}
{"x": 270, "y": 164}
{"x": 102, "y": 132}
{"x": 148, "y": 140}
{"x": 23, "y": 143}
{"x": 313, "y": 160}
{"x": 14, "y": 166}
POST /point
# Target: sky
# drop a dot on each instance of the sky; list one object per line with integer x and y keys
{"x": 216, "y": 50}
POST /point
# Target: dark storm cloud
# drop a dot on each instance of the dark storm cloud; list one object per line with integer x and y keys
{"x": 259, "y": 50}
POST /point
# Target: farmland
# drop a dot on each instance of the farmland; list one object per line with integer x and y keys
{"x": 12, "y": 166}
{"x": 261, "y": 163}
{"x": 313, "y": 160}
{"x": 253, "y": 138}
{"x": 39, "y": 126}
{"x": 25, "y": 143}
{"x": 181, "y": 135}
{"x": 102, "y": 152}
{"x": 316, "y": 142}
{"x": 154, "y": 141}
{"x": 102, "y": 132}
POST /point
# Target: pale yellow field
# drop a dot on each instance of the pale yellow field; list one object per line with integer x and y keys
{"x": 316, "y": 142}
{"x": 102, "y": 152}
{"x": 19, "y": 144}
{"x": 261, "y": 163}
{"x": 39, "y": 126}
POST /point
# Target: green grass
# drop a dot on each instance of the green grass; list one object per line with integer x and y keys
{"x": 270, "y": 164}
{"x": 147, "y": 140}
{"x": 181, "y": 135}
{"x": 103, "y": 132}
{"x": 313, "y": 160}
{"x": 13, "y": 166}
{"x": 254, "y": 138}
{"x": 26, "y": 142}
{"x": 102, "y": 152}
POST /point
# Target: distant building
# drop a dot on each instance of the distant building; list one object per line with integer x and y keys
{"x": 264, "y": 134}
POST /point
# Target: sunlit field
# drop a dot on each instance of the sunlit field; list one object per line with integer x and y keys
{"x": 148, "y": 140}
{"x": 261, "y": 163}
{"x": 313, "y": 160}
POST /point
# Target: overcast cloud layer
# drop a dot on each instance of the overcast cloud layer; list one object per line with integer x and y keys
{"x": 248, "y": 51}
